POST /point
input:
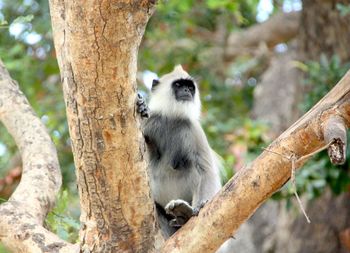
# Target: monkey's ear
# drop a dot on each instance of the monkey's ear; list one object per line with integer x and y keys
{"x": 155, "y": 82}
{"x": 178, "y": 68}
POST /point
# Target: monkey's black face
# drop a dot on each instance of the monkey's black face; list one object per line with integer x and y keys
{"x": 184, "y": 89}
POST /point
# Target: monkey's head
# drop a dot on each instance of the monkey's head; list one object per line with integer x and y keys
{"x": 176, "y": 94}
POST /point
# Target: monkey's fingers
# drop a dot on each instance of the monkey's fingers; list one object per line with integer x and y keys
{"x": 142, "y": 107}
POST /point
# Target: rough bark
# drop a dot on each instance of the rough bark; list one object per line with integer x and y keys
{"x": 324, "y": 30}
{"x": 97, "y": 44}
{"x": 244, "y": 193}
{"x": 280, "y": 28}
{"x": 22, "y": 216}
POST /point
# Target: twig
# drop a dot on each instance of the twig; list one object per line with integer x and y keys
{"x": 293, "y": 159}
{"x": 315, "y": 152}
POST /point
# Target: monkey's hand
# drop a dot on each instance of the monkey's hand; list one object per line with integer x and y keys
{"x": 199, "y": 207}
{"x": 142, "y": 107}
{"x": 181, "y": 210}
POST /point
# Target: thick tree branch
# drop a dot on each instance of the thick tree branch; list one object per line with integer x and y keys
{"x": 280, "y": 28}
{"x": 21, "y": 218}
{"x": 251, "y": 186}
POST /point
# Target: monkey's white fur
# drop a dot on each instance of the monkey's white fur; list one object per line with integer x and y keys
{"x": 163, "y": 101}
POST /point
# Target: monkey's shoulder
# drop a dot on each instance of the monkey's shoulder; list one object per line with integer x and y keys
{"x": 167, "y": 126}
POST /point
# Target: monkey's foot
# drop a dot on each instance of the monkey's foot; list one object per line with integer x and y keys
{"x": 142, "y": 107}
{"x": 181, "y": 210}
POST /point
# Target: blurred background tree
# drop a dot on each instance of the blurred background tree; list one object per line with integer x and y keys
{"x": 255, "y": 81}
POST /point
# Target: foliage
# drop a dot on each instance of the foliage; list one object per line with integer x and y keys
{"x": 321, "y": 76}
{"x": 181, "y": 31}
{"x": 60, "y": 220}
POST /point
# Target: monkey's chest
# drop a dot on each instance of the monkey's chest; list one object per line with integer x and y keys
{"x": 174, "y": 147}
{"x": 168, "y": 184}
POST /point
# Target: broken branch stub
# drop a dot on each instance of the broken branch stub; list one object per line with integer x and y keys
{"x": 334, "y": 131}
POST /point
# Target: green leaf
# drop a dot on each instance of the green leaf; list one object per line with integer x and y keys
{"x": 23, "y": 19}
{"x": 300, "y": 65}
{"x": 343, "y": 9}
{"x": 3, "y": 23}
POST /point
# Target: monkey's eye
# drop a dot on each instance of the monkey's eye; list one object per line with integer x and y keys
{"x": 191, "y": 88}
{"x": 177, "y": 84}
{"x": 155, "y": 82}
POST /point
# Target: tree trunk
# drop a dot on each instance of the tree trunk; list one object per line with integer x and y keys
{"x": 97, "y": 44}
{"x": 324, "y": 30}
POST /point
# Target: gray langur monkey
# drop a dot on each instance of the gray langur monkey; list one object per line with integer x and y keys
{"x": 184, "y": 170}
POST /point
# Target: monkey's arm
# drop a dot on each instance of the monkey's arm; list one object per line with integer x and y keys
{"x": 207, "y": 170}
{"x": 208, "y": 167}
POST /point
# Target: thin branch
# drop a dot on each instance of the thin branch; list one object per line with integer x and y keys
{"x": 294, "y": 160}
{"x": 292, "y": 178}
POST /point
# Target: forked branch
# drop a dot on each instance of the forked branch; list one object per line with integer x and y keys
{"x": 21, "y": 217}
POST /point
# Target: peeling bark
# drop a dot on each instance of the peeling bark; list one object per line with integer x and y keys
{"x": 97, "y": 44}
{"x": 251, "y": 186}
{"x": 21, "y": 217}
